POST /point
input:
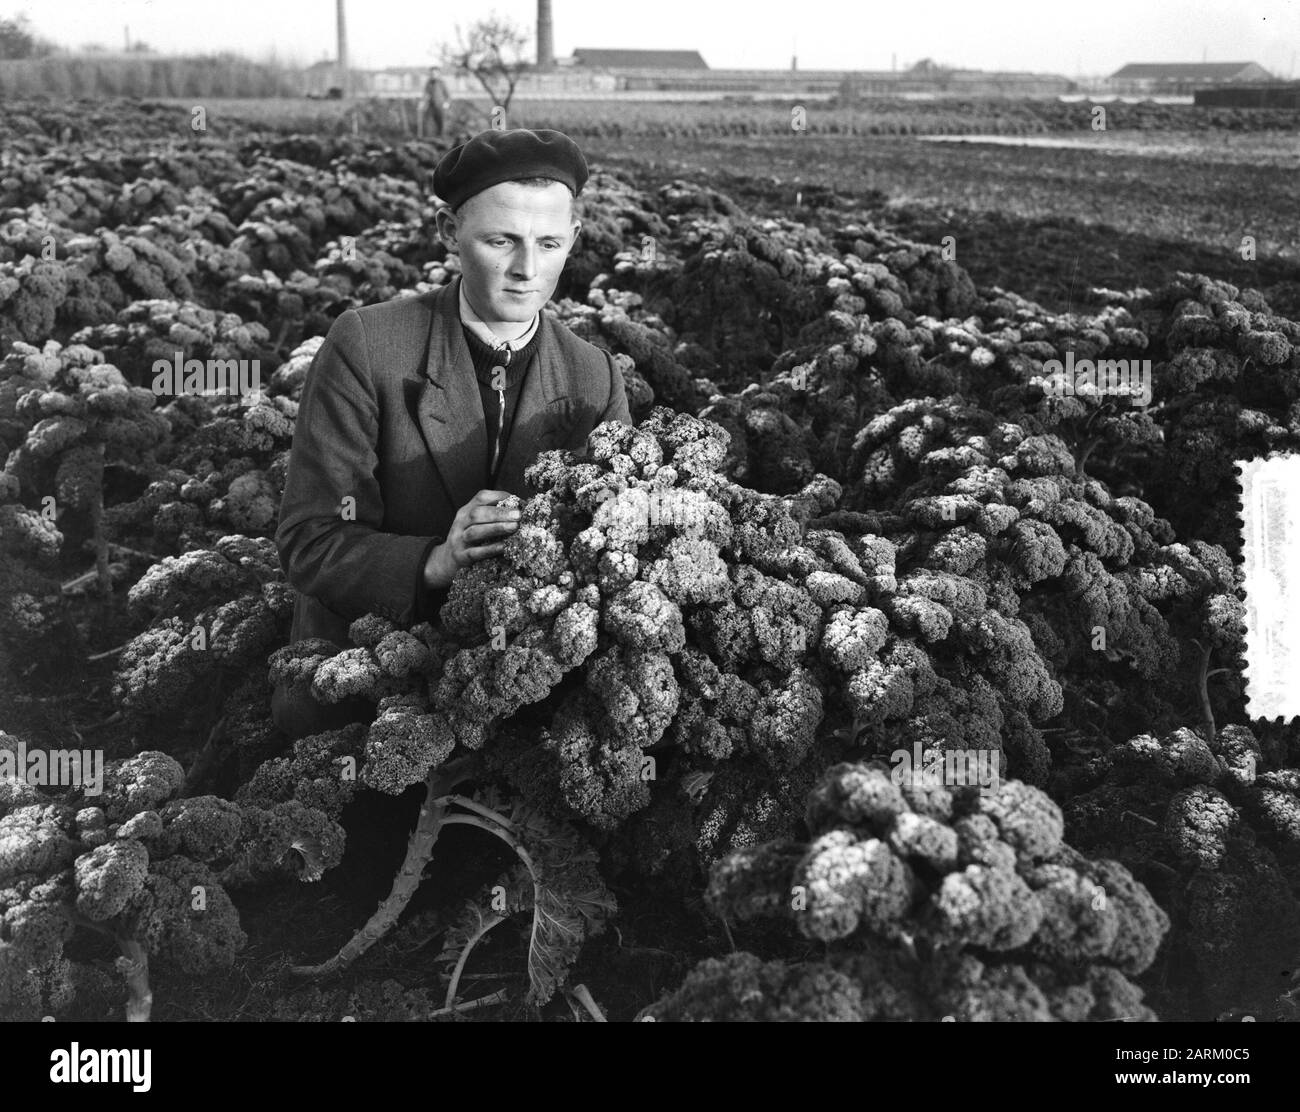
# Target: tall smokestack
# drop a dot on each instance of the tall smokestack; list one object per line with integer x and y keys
{"x": 545, "y": 37}
{"x": 342, "y": 25}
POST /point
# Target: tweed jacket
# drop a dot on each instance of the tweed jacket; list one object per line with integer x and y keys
{"x": 390, "y": 442}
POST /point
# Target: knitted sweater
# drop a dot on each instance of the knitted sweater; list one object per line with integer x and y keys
{"x": 499, "y": 404}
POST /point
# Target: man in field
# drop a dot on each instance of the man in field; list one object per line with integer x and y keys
{"x": 418, "y": 414}
{"x": 436, "y": 100}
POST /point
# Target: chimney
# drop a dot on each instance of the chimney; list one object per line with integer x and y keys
{"x": 342, "y": 28}
{"x": 545, "y": 37}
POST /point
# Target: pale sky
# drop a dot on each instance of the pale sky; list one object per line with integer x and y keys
{"x": 1092, "y": 37}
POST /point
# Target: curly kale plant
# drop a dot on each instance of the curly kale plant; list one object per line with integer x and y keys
{"x": 1213, "y": 829}
{"x": 211, "y": 614}
{"x": 930, "y": 904}
{"x": 76, "y": 422}
{"x": 141, "y": 865}
{"x": 652, "y": 625}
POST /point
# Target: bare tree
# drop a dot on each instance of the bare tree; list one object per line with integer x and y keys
{"x": 490, "y": 50}
{"x": 18, "y": 40}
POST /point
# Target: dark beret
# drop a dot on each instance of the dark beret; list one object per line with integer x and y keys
{"x": 492, "y": 157}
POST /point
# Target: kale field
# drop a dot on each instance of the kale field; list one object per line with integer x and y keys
{"x": 647, "y": 763}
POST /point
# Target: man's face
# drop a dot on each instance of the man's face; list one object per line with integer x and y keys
{"x": 513, "y": 241}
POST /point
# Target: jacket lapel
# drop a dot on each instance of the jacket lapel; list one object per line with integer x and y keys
{"x": 451, "y": 412}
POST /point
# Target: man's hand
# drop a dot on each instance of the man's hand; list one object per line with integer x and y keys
{"x": 471, "y": 537}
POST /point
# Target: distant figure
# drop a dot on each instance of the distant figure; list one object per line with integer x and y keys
{"x": 436, "y": 99}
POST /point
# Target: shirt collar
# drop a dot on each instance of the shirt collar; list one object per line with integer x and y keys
{"x": 475, "y": 324}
